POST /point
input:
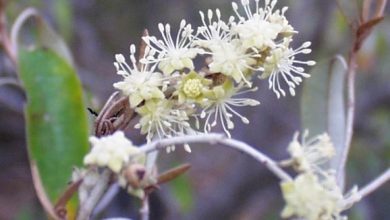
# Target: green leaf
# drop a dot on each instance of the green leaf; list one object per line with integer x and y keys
{"x": 56, "y": 120}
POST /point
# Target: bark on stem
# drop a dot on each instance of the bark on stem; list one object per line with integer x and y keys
{"x": 144, "y": 211}
{"x": 351, "y": 75}
{"x": 369, "y": 188}
{"x": 87, "y": 207}
{"x": 219, "y": 139}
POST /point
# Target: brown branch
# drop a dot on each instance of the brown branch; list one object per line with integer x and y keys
{"x": 360, "y": 35}
{"x": 365, "y": 12}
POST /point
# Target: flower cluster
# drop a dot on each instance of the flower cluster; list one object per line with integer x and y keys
{"x": 314, "y": 193}
{"x": 309, "y": 155}
{"x": 125, "y": 160}
{"x": 167, "y": 90}
{"x": 314, "y": 199}
{"x": 112, "y": 151}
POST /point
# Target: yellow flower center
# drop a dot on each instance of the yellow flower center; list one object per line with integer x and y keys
{"x": 192, "y": 88}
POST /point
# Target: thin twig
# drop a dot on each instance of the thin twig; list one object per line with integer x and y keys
{"x": 365, "y": 12}
{"x": 144, "y": 211}
{"x": 87, "y": 207}
{"x": 369, "y": 188}
{"x": 106, "y": 199}
{"x": 381, "y": 5}
{"x": 351, "y": 75}
{"x": 360, "y": 35}
{"x": 219, "y": 139}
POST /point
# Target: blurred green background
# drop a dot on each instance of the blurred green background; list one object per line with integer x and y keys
{"x": 222, "y": 184}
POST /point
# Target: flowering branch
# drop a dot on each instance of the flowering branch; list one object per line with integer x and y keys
{"x": 219, "y": 139}
{"x": 369, "y": 188}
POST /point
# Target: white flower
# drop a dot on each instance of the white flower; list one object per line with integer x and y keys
{"x": 159, "y": 119}
{"x": 221, "y": 104}
{"x": 110, "y": 151}
{"x": 278, "y": 18}
{"x": 227, "y": 54}
{"x": 310, "y": 154}
{"x": 231, "y": 59}
{"x": 172, "y": 54}
{"x": 140, "y": 82}
{"x": 282, "y": 65}
{"x": 308, "y": 197}
{"x": 212, "y": 32}
{"x": 255, "y": 29}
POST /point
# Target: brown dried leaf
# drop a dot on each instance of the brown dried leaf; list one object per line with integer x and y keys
{"x": 115, "y": 115}
{"x": 173, "y": 173}
{"x": 364, "y": 30}
{"x": 367, "y": 26}
{"x": 143, "y": 45}
{"x": 66, "y": 196}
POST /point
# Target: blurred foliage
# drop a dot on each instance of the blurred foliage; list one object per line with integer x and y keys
{"x": 29, "y": 211}
{"x": 314, "y": 99}
{"x": 99, "y": 29}
{"x": 62, "y": 10}
{"x": 182, "y": 192}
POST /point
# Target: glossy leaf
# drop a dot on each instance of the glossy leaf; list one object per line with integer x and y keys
{"x": 56, "y": 120}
